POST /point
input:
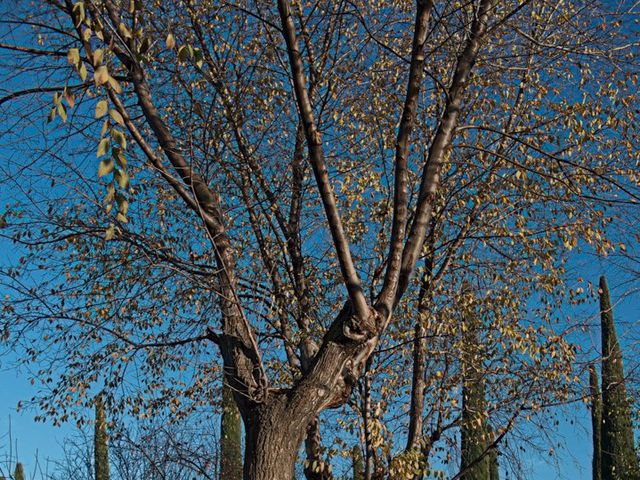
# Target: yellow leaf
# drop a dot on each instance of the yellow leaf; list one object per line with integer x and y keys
{"x": 105, "y": 125}
{"x": 109, "y": 233}
{"x": 73, "y": 56}
{"x": 111, "y": 191}
{"x": 113, "y": 83}
{"x": 102, "y": 147}
{"x": 105, "y": 167}
{"x": 101, "y": 108}
{"x": 124, "y": 31}
{"x": 171, "y": 42}
{"x": 97, "y": 56}
{"x": 62, "y": 112}
{"x": 69, "y": 97}
{"x": 116, "y": 116}
{"x": 123, "y": 205}
{"x": 122, "y": 178}
{"x": 119, "y": 138}
{"x": 82, "y": 70}
{"x": 101, "y": 75}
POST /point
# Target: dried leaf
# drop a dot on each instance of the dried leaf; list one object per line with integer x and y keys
{"x": 101, "y": 75}
{"x": 106, "y": 167}
{"x": 171, "y": 42}
{"x": 122, "y": 178}
{"x": 102, "y": 147}
{"x": 113, "y": 83}
{"x": 101, "y": 108}
{"x": 110, "y": 232}
{"x": 97, "y": 56}
{"x": 116, "y": 116}
{"x": 73, "y": 56}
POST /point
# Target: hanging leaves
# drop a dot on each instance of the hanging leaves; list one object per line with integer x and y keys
{"x": 106, "y": 167}
{"x": 73, "y": 56}
{"x": 101, "y": 75}
{"x": 115, "y": 115}
{"x": 102, "y": 147}
{"x": 170, "y": 41}
{"x": 101, "y": 108}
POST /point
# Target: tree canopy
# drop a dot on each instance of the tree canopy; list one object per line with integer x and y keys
{"x": 290, "y": 194}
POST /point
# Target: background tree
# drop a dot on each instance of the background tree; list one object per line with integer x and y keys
{"x": 230, "y": 438}
{"x": 619, "y": 458}
{"x": 596, "y": 422}
{"x": 153, "y": 449}
{"x": 18, "y": 474}
{"x": 474, "y": 435}
{"x": 100, "y": 442}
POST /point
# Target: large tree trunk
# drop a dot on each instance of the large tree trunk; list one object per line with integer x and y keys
{"x": 273, "y": 439}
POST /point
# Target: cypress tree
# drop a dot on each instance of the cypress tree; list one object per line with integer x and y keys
{"x": 596, "y": 423}
{"x": 100, "y": 438}
{"x": 474, "y": 432}
{"x": 357, "y": 463}
{"x": 619, "y": 460}
{"x": 19, "y": 472}
{"x": 230, "y": 437}
{"x": 494, "y": 467}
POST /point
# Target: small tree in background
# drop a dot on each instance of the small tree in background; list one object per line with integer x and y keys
{"x": 494, "y": 466}
{"x": 358, "y": 464}
{"x": 619, "y": 460}
{"x": 474, "y": 431}
{"x": 230, "y": 437}
{"x": 100, "y": 447}
{"x": 596, "y": 422}
{"x": 19, "y": 472}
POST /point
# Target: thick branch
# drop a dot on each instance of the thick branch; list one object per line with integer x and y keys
{"x": 238, "y": 344}
{"x": 316, "y": 156}
{"x": 387, "y": 296}
{"x": 437, "y": 152}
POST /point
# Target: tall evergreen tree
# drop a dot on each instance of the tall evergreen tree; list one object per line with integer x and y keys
{"x": 230, "y": 437}
{"x": 100, "y": 439}
{"x": 358, "y": 463}
{"x": 19, "y": 472}
{"x": 474, "y": 433}
{"x": 494, "y": 470}
{"x": 596, "y": 423}
{"x": 494, "y": 467}
{"x": 619, "y": 460}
